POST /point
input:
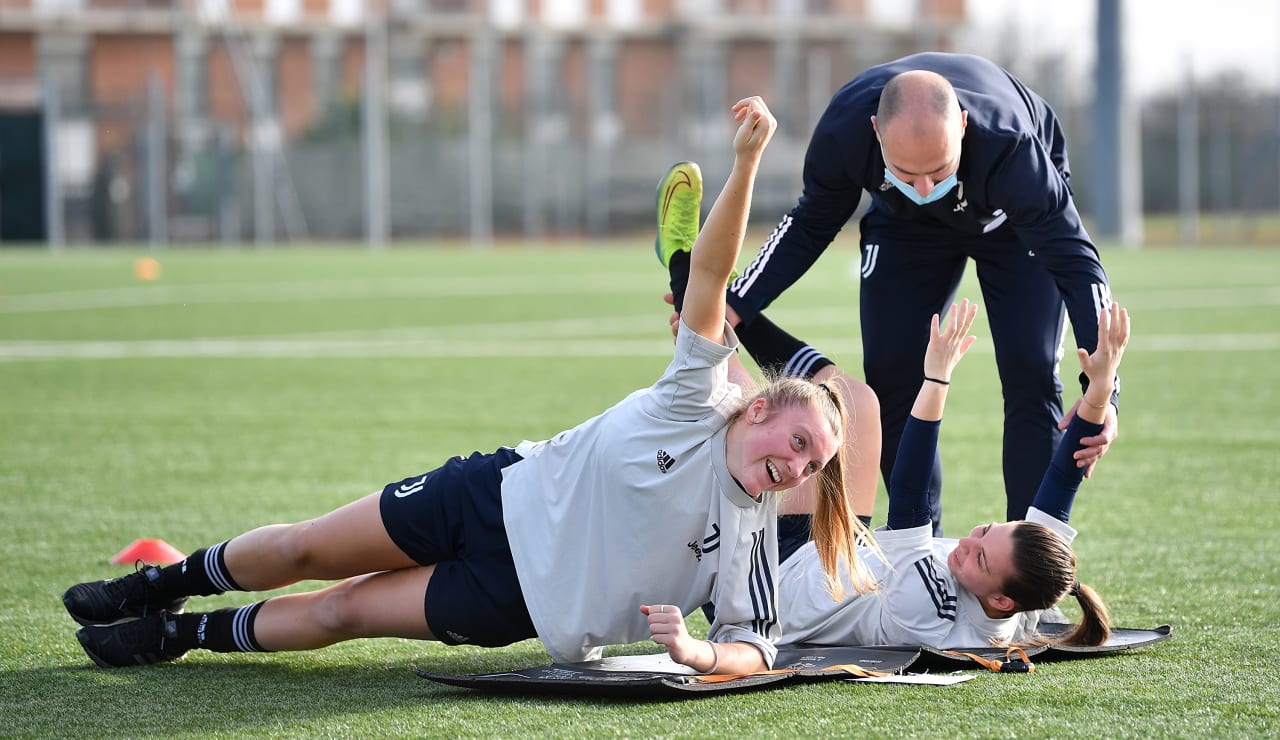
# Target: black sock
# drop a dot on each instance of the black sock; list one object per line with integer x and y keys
{"x": 222, "y": 631}
{"x": 779, "y": 353}
{"x": 773, "y": 349}
{"x": 203, "y": 573}
{"x": 679, "y": 271}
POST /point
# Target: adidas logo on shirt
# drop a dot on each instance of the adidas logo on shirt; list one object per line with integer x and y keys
{"x": 665, "y": 461}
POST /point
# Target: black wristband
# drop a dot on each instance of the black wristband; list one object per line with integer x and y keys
{"x": 935, "y": 380}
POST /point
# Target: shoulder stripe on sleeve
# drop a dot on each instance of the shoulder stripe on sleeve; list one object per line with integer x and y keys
{"x": 763, "y": 590}
{"x": 748, "y": 277}
{"x": 936, "y": 586}
{"x": 799, "y": 364}
{"x": 1101, "y": 297}
{"x": 712, "y": 541}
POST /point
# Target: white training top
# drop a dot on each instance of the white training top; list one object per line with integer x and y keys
{"x": 917, "y": 601}
{"x": 636, "y": 506}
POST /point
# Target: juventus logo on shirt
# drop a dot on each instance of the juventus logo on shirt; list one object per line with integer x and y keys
{"x": 665, "y": 461}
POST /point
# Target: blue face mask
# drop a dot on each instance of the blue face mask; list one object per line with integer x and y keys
{"x": 939, "y": 190}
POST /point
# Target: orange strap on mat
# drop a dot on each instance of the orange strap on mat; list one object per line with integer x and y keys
{"x": 1022, "y": 664}
{"x": 849, "y": 668}
{"x": 859, "y": 671}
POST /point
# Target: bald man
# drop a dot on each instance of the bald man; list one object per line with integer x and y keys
{"x": 962, "y": 162}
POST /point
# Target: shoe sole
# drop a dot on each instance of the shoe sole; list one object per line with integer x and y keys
{"x": 84, "y": 622}
{"x": 94, "y": 656}
{"x": 90, "y": 623}
{"x": 98, "y": 661}
{"x": 104, "y": 664}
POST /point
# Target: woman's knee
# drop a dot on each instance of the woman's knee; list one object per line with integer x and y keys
{"x": 299, "y": 547}
{"x": 338, "y": 609}
{"x": 386, "y": 604}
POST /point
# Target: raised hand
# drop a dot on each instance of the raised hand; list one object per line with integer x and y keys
{"x": 948, "y": 345}
{"x": 715, "y": 253}
{"x": 1113, "y": 337}
{"x": 757, "y": 126}
{"x": 1095, "y": 406}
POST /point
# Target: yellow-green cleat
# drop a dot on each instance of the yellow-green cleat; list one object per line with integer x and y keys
{"x": 679, "y": 210}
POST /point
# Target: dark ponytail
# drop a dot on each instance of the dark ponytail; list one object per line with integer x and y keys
{"x": 1095, "y": 620}
{"x": 1044, "y": 573}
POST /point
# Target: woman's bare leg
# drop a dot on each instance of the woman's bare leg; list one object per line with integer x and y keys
{"x": 387, "y": 604}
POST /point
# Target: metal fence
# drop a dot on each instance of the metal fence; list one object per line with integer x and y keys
{"x": 364, "y": 170}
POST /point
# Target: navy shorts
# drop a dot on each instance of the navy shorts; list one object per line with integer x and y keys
{"x": 451, "y": 518}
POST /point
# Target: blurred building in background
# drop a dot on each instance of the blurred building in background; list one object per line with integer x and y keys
{"x": 234, "y": 120}
{"x": 229, "y": 121}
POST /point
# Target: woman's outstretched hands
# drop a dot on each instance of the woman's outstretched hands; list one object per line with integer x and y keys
{"x": 948, "y": 345}
{"x": 756, "y": 127}
{"x": 1113, "y": 337}
{"x": 1100, "y": 367}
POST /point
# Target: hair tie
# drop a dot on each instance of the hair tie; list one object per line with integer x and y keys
{"x": 1075, "y": 589}
{"x": 831, "y": 394}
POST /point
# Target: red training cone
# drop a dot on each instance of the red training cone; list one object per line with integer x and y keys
{"x": 156, "y": 552}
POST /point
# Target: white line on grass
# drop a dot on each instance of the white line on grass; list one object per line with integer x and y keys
{"x": 333, "y": 348}
{"x": 329, "y": 290}
{"x": 491, "y": 285}
{"x": 609, "y": 326}
{"x": 1254, "y": 295}
{"x": 477, "y": 347}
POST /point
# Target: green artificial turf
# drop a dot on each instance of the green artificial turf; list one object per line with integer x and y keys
{"x": 246, "y": 387}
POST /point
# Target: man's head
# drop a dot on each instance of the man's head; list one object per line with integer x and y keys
{"x": 919, "y": 125}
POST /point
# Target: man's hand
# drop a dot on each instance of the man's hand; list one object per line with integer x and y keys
{"x": 1093, "y": 448}
{"x": 730, "y": 315}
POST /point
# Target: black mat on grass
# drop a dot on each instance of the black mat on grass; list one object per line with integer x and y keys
{"x": 657, "y": 676}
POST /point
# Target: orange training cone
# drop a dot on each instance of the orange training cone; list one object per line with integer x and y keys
{"x": 156, "y": 552}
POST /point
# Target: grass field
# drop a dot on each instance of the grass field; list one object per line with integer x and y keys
{"x": 244, "y": 387}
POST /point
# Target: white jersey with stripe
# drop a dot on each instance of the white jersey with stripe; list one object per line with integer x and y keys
{"x": 637, "y": 506}
{"x": 917, "y": 600}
